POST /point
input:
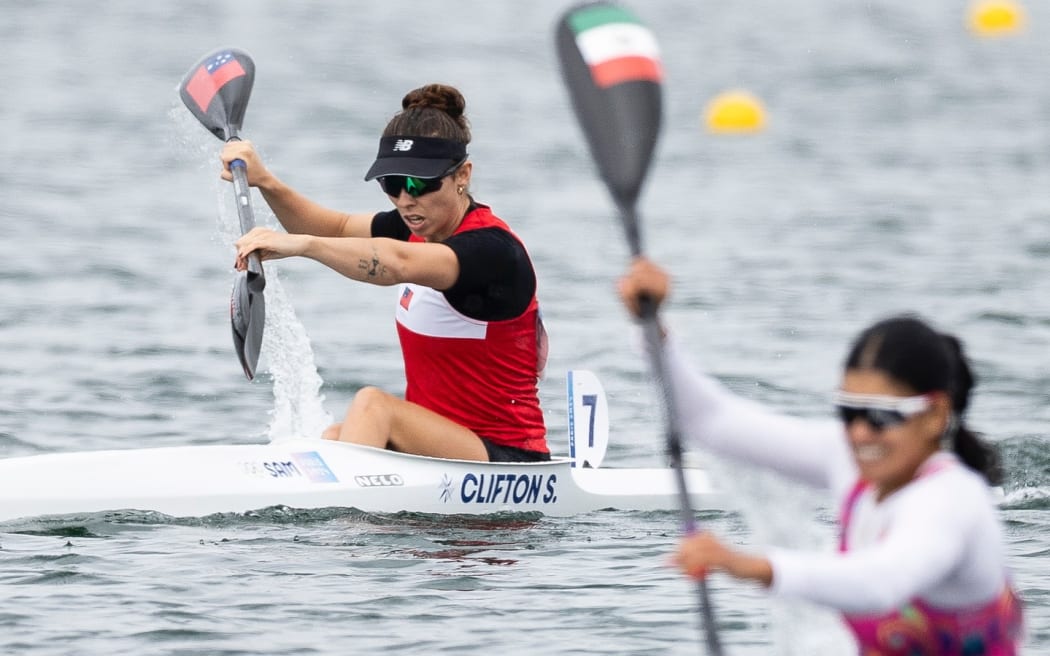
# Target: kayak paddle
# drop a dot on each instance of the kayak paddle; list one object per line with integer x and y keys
{"x": 610, "y": 62}
{"x": 216, "y": 91}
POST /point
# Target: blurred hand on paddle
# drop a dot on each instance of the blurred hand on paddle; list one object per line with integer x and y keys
{"x": 643, "y": 280}
{"x": 701, "y": 553}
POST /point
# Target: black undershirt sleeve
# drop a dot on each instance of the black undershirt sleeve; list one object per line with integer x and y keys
{"x": 496, "y": 279}
{"x": 389, "y": 224}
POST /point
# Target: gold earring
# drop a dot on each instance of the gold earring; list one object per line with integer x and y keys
{"x": 459, "y": 189}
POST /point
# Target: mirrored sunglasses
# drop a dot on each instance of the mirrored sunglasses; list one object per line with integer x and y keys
{"x": 393, "y": 185}
{"x": 877, "y": 410}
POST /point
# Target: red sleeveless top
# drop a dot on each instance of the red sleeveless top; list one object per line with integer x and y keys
{"x": 480, "y": 374}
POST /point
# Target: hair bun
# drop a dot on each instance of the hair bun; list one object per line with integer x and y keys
{"x": 433, "y": 110}
{"x": 441, "y": 97}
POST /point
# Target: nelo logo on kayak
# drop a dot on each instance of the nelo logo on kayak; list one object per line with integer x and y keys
{"x": 379, "y": 480}
{"x": 524, "y": 489}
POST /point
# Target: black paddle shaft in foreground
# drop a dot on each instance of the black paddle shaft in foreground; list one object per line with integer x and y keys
{"x": 611, "y": 67}
{"x": 216, "y": 91}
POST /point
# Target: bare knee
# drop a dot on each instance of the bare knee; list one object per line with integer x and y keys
{"x": 370, "y": 399}
{"x": 368, "y": 418}
{"x": 332, "y": 432}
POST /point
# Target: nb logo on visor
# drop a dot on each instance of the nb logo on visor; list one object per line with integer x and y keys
{"x": 403, "y": 145}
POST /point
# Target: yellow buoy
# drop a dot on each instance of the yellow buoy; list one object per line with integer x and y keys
{"x": 996, "y": 17}
{"x": 735, "y": 112}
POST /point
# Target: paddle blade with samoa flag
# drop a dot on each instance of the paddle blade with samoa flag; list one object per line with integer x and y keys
{"x": 611, "y": 65}
{"x": 216, "y": 91}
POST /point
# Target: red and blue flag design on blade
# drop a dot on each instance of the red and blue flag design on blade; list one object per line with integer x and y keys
{"x": 210, "y": 77}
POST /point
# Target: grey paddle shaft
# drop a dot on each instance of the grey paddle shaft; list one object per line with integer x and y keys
{"x": 242, "y": 193}
{"x": 658, "y": 366}
{"x": 216, "y": 91}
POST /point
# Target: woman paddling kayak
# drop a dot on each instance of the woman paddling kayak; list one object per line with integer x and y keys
{"x": 467, "y": 315}
{"x": 921, "y": 568}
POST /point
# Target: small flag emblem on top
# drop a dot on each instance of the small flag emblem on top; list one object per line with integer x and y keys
{"x": 211, "y": 76}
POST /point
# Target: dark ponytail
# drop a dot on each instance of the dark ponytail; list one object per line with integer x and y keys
{"x": 971, "y": 449}
{"x": 913, "y": 353}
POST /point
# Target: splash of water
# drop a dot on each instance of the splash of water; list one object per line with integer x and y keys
{"x": 799, "y": 522}
{"x": 1027, "y": 498}
{"x": 298, "y": 404}
{"x": 298, "y": 409}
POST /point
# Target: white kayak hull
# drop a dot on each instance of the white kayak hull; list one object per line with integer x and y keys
{"x": 306, "y": 473}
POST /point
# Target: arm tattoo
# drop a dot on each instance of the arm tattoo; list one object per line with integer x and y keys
{"x": 372, "y": 268}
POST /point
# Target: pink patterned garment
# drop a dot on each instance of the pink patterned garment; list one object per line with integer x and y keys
{"x": 918, "y": 629}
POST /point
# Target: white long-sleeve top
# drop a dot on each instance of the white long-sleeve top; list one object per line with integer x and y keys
{"x": 937, "y": 539}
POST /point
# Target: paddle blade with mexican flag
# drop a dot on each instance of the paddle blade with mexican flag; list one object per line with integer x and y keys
{"x": 612, "y": 69}
{"x": 611, "y": 64}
